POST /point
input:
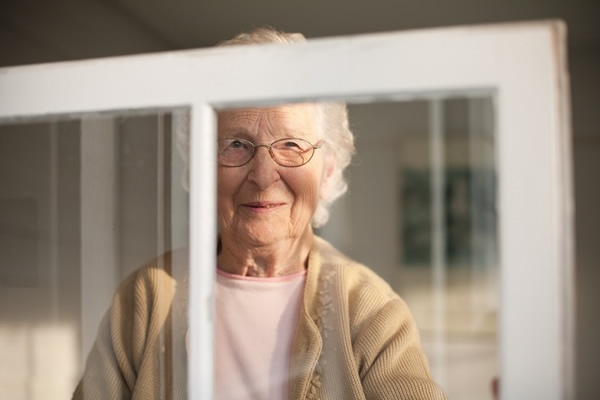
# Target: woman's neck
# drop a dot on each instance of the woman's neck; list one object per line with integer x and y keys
{"x": 282, "y": 258}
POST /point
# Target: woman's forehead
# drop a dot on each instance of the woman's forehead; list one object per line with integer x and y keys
{"x": 287, "y": 118}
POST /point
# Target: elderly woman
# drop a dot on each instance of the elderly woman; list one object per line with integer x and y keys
{"x": 295, "y": 319}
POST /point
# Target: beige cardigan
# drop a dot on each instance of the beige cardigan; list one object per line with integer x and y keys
{"x": 355, "y": 339}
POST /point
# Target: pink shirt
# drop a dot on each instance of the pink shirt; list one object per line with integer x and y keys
{"x": 256, "y": 319}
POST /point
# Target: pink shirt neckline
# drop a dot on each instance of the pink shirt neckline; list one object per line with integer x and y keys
{"x": 261, "y": 279}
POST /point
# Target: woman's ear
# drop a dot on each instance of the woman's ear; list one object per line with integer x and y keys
{"x": 327, "y": 178}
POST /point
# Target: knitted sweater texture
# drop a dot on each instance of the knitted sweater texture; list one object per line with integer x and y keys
{"x": 355, "y": 339}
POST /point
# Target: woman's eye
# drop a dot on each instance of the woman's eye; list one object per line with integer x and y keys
{"x": 237, "y": 144}
{"x": 291, "y": 144}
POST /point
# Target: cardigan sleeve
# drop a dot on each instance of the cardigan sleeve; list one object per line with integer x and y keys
{"x": 391, "y": 362}
{"x": 123, "y": 354}
{"x": 109, "y": 371}
{"x": 105, "y": 376}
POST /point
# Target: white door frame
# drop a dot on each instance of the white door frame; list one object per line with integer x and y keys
{"x": 523, "y": 65}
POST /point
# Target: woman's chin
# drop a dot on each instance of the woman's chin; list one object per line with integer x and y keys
{"x": 260, "y": 233}
{"x": 264, "y": 234}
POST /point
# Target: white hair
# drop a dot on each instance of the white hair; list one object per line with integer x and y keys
{"x": 332, "y": 118}
{"x": 332, "y": 121}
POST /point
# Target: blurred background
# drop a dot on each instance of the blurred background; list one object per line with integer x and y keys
{"x": 42, "y": 181}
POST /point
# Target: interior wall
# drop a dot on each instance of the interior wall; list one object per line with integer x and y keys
{"x": 43, "y": 31}
{"x": 40, "y": 297}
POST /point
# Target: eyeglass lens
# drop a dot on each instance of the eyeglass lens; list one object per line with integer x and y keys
{"x": 285, "y": 152}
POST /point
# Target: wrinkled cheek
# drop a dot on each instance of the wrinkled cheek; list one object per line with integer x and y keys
{"x": 224, "y": 209}
{"x": 311, "y": 199}
{"x": 304, "y": 209}
{"x": 225, "y": 193}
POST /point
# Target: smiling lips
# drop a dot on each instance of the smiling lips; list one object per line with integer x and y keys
{"x": 263, "y": 206}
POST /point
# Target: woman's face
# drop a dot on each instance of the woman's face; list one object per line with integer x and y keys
{"x": 262, "y": 203}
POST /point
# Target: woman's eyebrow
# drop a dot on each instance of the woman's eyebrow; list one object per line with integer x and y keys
{"x": 243, "y": 133}
{"x": 292, "y": 132}
{"x": 235, "y": 132}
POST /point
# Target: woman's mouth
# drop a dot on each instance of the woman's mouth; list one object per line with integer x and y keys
{"x": 263, "y": 206}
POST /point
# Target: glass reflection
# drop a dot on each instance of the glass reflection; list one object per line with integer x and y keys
{"x": 421, "y": 212}
{"x": 83, "y": 203}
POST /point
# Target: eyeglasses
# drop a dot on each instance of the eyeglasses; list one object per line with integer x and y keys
{"x": 288, "y": 152}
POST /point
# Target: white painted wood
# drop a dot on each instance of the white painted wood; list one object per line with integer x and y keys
{"x": 393, "y": 65}
{"x": 203, "y": 250}
{"x": 523, "y": 65}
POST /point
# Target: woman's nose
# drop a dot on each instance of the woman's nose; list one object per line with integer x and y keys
{"x": 264, "y": 171}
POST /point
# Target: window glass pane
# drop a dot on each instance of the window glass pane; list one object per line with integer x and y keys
{"x": 421, "y": 212}
{"x": 85, "y": 203}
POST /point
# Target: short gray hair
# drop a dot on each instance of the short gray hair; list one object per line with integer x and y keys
{"x": 332, "y": 120}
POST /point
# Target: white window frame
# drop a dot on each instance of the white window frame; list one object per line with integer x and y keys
{"x": 523, "y": 65}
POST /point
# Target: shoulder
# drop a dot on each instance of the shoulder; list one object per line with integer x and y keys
{"x": 376, "y": 319}
{"x": 355, "y": 290}
{"x": 156, "y": 280}
{"x": 353, "y": 275}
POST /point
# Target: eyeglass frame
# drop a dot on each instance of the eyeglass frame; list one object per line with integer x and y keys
{"x": 270, "y": 147}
